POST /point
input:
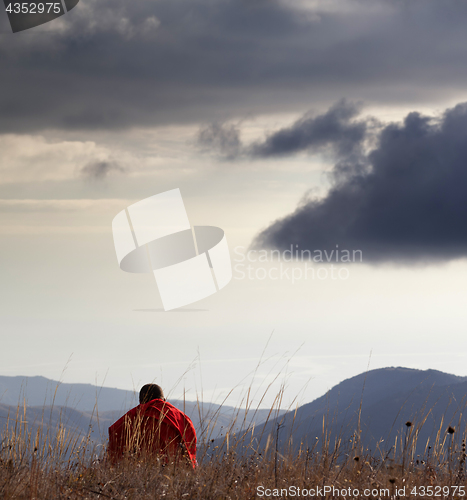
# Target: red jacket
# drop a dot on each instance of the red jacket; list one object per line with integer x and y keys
{"x": 154, "y": 428}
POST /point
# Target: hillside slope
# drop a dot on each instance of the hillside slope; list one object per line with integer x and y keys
{"x": 83, "y": 407}
{"x": 378, "y": 402}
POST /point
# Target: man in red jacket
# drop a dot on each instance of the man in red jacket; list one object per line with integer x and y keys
{"x": 154, "y": 428}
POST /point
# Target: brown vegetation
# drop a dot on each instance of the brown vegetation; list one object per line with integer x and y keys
{"x": 38, "y": 463}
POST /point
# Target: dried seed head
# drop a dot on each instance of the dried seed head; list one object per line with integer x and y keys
{"x": 408, "y": 423}
{"x": 451, "y": 430}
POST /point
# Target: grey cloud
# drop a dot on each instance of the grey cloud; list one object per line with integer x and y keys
{"x": 336, "y": 131}
{"x": 222, "y": 138}
{"x": 408, "y": 202}
{"x": 117, "y": 64}
{"x": 333, "y": 129}
{"x": 98, "y": 170}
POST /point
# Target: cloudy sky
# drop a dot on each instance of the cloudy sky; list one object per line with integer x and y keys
{"x": 321, "y": 125}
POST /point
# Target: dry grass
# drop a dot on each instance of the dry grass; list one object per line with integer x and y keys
{"x": 38, "y": 463}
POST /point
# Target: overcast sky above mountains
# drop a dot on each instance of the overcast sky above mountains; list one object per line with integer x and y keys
{"x": 321, "y": 124}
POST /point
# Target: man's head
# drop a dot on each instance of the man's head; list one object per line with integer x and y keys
{"x": 149, "y": 392}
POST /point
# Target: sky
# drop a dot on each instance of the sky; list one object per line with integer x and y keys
{"x": 331, "y": 129}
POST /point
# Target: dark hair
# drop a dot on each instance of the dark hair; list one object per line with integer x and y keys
{"x": 149, "y": 392}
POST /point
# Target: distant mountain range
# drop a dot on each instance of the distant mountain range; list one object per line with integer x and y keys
{"x": 83, "y": 408}
{"x": 380, "y": 403}
{"x": 40, "y": 391}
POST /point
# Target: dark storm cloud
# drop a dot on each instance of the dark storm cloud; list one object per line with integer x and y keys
{"x": 98, "y": 170}
{"x": 114, "y": 64}
{"x": 407, "y": 201}
{"x": 332, "y": 129}
{"x": 336, "y": 131}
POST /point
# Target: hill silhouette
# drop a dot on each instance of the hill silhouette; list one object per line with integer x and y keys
{"x": 378, "y": 403}
{"x": 82, "y": 408}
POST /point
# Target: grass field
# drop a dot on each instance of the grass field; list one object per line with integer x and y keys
{"x": 54, "y": 463}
